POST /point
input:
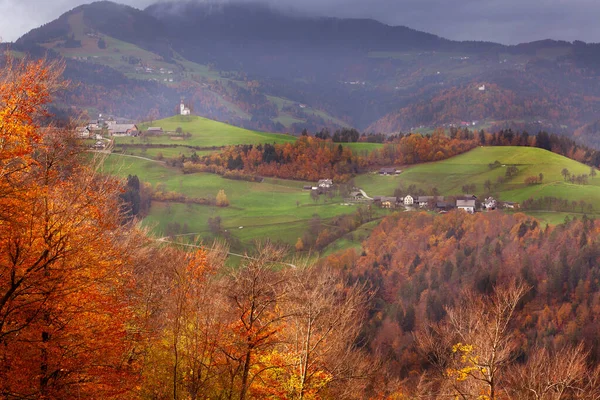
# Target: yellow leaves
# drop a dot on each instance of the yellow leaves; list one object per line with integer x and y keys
{"x": 468, "y": 359}
{"x": 222, "y": 200}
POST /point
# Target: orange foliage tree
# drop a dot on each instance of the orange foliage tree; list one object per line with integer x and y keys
{"x": 64, "y": 281}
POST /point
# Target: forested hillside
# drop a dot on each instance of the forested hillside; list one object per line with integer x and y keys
{"x": 261, "y": 68}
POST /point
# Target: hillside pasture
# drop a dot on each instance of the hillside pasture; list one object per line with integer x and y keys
{"x": 450, "y": 175}
{"x": 204, "y": 133}
{"x": 275, "y": 209}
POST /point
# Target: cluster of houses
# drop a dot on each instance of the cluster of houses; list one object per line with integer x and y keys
{"x": 467, "y": 202}
{"x": 99, "y": 128}
{"x": 96, "y": 129}
{"x": 324, "y": 185}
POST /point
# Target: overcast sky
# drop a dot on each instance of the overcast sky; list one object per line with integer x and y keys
{"x": 504, "y": 21}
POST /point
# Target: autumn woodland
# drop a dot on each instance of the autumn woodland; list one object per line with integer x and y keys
{"x": 484, "y": 306}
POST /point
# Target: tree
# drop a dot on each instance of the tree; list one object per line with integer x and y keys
{"x": 565, "y": 173}
{"x": 558, "y": 374}
{"x": 221, "y": 199}
{"x": 65, "y": 304}
{"x": 593, "y": 172}
{"x": 324, "y": 323}
{"x": 541, "y": 176}
{"x": 488, "y": 185}
{"x": 254, "y": 292}
{"x": 299, "y": 245}
{"x": 314, "y": 195}
{"x": 476, "y": 344}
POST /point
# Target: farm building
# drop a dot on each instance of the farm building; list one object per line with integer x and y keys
{"x": 83, "y": 132}
{"x": 325, "y": 184}
{"x": 155, "y": 130}
{"x": 122, "y": 129}
{"x": 466, "y": 205}
{"x": 389, "y": 171}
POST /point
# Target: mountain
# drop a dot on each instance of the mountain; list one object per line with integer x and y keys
{"x": 259, "y": 67}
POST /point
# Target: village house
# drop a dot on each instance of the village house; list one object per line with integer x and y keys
{"x": 325, "y": 184}
{"x": 357, "y": 196}
{"x": 122, "y": 129}
{"x": 510, "y": 204}
{"x": 389, "y": 171}
{"x": 155, "y": 130}
{"x": 83, "y": 132}
{"x": 443, "y": 206}
{"x": 408, "y": 200}
{"x": 389, "y": 202}
{"x": 466, "y": 205}
{"x": 489, "y": 203}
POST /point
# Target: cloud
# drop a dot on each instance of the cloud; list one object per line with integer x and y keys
{"x": 505, "y": 21}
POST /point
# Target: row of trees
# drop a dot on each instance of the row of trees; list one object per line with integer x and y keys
{"x": 312, "y": 158}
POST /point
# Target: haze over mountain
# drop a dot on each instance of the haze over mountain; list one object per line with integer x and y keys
{"x": 509, "y": 21}
{"x": 255, "y": 66}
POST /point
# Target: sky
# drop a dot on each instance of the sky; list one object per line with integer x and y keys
{"x": 503, "y": 21}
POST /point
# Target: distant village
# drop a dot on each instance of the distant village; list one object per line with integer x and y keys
{"x": 102, "y": 128}
{"x": 466, "y": 202}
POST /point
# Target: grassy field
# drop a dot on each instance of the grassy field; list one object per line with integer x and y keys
{"x": 450, "y": 175}
{"x": 206, "y": 133}
{"x": 276, "y": 208}
{"x": 280, "y": 210}
{"x": 167, "y": 152}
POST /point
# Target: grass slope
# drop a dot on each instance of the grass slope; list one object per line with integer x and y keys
{"x": 207, "y": 133}
{"x": 450, "y": 175}
{"x": 276, "y": 209}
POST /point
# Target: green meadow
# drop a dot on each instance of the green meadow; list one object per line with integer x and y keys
{"x": 450, "y": 175}
{"x": 166, "y": 152}
{"x": 279, "y": 210}
{"x": 275, "y": 209}
{"x": 204, "y": 133}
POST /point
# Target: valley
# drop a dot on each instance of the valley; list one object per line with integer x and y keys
{"x": 236, "y": 200}
{"x": 282, "y": 210}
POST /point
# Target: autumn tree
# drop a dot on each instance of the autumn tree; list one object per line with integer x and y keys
{"x": 65, "y": 304}
{"x": 254, "y": 293}
{"x": 322, "y": 329}
{"x": 299, "y": 245}
{"x": 552, "y": 374}
{"x": 482, "y": 341}
{"x": 222, "y": 200}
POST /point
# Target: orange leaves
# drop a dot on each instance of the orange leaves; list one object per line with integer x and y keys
{"x": 25, "y": 87}
{"x": 65, "y": 306}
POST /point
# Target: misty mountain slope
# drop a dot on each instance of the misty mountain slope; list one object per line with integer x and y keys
{"x": 261, "y": 68}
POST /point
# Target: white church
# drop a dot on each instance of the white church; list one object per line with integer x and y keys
{"x": 183, "y": 110}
